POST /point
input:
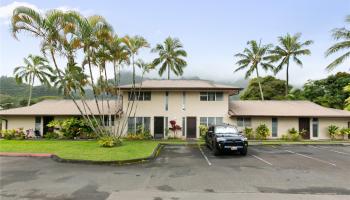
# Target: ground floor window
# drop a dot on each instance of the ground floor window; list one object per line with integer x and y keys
{"x": 37, "y": 125}
{"x": 166, "y": 126}
{"x": 108, "y": 120}
{"x": 244, "y": 122}
{"x": 138, "y": 124}
{"x": 209, "y": 121}
{"x": 314, "y": 127}
{"x": 274, "y": 126}
{"x": 184, "y": 126}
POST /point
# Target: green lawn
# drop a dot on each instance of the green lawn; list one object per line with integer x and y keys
{"x": 84, "y": 150}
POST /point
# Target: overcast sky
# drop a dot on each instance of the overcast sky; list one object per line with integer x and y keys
{"x": 211, "y": 31}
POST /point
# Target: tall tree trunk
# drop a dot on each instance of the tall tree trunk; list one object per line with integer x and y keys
{"x": 260, "y": 88}
{"x": 30, "y": 88}
{"x": 168, "y": 72}
{"x": 287, "y": 78}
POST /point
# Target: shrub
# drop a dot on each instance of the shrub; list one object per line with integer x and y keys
{"x": 51, "y": 135}
{"x": 141, "y": 136}
{"x": 203, "y": 130}
{"x": 73, "y": 127}
{"x": 249, "y": 132}
{"x": 344, "y": 132}
{"x": 262, "y": 132}
{"x": 10, "y": 134}
{"x": 293, "y": 135}
{"x": 109, "y": 141}
{"x": 332, "y": 130}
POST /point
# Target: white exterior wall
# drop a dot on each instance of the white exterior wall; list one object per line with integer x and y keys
{"x": 193, "y": 108}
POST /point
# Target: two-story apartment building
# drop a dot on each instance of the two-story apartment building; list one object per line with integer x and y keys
{"x": 189, "y": 103}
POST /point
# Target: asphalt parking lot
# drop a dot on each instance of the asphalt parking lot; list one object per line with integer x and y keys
{"x": 187, "y": 172}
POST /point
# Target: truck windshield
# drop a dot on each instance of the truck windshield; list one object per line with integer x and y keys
{"x": 226, "y": 130}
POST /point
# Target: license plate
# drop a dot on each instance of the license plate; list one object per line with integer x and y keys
{"x": 233, "y": 148}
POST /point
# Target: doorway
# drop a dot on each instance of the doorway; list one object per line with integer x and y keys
{"x": 304, "y": 125}
{"x": 191, "y": 127}
{"x": 46, "y": 121}
{"x": 158, "y": 127}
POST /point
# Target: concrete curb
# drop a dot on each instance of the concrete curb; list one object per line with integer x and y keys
{"x": 56, "y": 158}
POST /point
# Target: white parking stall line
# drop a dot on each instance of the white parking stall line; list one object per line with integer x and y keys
{"x": 312, "y": 158}
{"x": 205, "y": 157}
{"x": 257, "y": 157}
{"x": 335, "y": 151}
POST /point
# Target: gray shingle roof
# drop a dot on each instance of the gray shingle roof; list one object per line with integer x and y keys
{"x": 283, "y": 108}
{"x": 61, "y": 107}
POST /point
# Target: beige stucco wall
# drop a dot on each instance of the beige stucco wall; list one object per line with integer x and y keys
{"x": 15, "y": 122}
{"x": 285, "y": 123}
{"x": 193, "y": 108}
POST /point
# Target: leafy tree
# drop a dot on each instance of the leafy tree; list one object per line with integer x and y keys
{"x": 343, "y": 35}
{"x": 347, "y": 100}
{"x": 273, "y": 89}
{"x": 171, "y": 56}
{"x": 289, "y": 48}
{"x": 35, "y": 67}
{"x": 253, "y": 57}
{"x": 328, "y": 92}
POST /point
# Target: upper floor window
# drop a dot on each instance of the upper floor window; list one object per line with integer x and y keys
{"x": 183, "y": 100}
{"x": 166, "y": 101}
{"x": 139, "y": 96}
{"x": 244, "y": 122}
{"x": 211, "y": 96}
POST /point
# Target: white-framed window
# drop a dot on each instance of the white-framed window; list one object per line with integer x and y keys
{"x": 244, "y": 122}
{"x": 314, "y": 127}
{"x": 135, "y": 123}
{"x": 139, "y": 96}
{"x": 274, "y": 127}
{"x": 211, "y": 96}
{"x": 183, "y": 126}
{"x": 38, "y": 124}
{"x": 108, "y": 121}
{"x": 183, "y": 101}
{"x": 209, "y": 121}
{"x": 166, "y": 101}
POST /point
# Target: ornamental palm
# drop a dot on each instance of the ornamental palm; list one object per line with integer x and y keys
{"x": 34, "y": 67}
{"x": 289, "y": 47}
{"x": 343, "y": 35}
{"x": 253, "y": 57}
{"x": 171, "y": 56}
{"x": 134, "y": 44}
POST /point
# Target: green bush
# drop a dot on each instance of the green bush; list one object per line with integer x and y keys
{"x": 141, "y": 134}
{"x": 203, "y": 130}
{"x": 344, "y": 132}
{"x": 51, "y": 135}
{"x": 109, "y": 141}
{"x": 262, "y": 132}
{"x": 73, "y": 127}
{"x": 11, "y": 134}
{"x": 292, "y": 135}
{"x": 249, "y": 132}
{"x": 333, "y": 130}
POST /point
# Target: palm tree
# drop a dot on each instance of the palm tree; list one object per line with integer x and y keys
{"x": 170, "y": 57}
{"x": 343, "y": 35}
{"x": 34, "y": 67}
{"x": 253, "y": 57}
{"x": 289, "y": 47}
{"x": 134, "y": 44}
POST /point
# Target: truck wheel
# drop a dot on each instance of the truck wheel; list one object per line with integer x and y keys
{"x": 216, "y": 151}
{"x": 244, "y": 151}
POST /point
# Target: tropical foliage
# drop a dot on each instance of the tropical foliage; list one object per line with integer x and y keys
{"x": 252, "y": 58}
{"x": 273, "y": 89}
{"x": 171, "y": 57}
{"x": 289, "y": 47}
{"x": 35, "y": 67}
{"x": 262, "y": 132}
{"x": 343, "y": 36}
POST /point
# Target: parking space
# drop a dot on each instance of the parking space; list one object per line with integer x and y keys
{"x": 181, "y": 169}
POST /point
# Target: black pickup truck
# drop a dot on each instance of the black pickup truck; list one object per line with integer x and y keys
{"x": 221, "y": 138}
